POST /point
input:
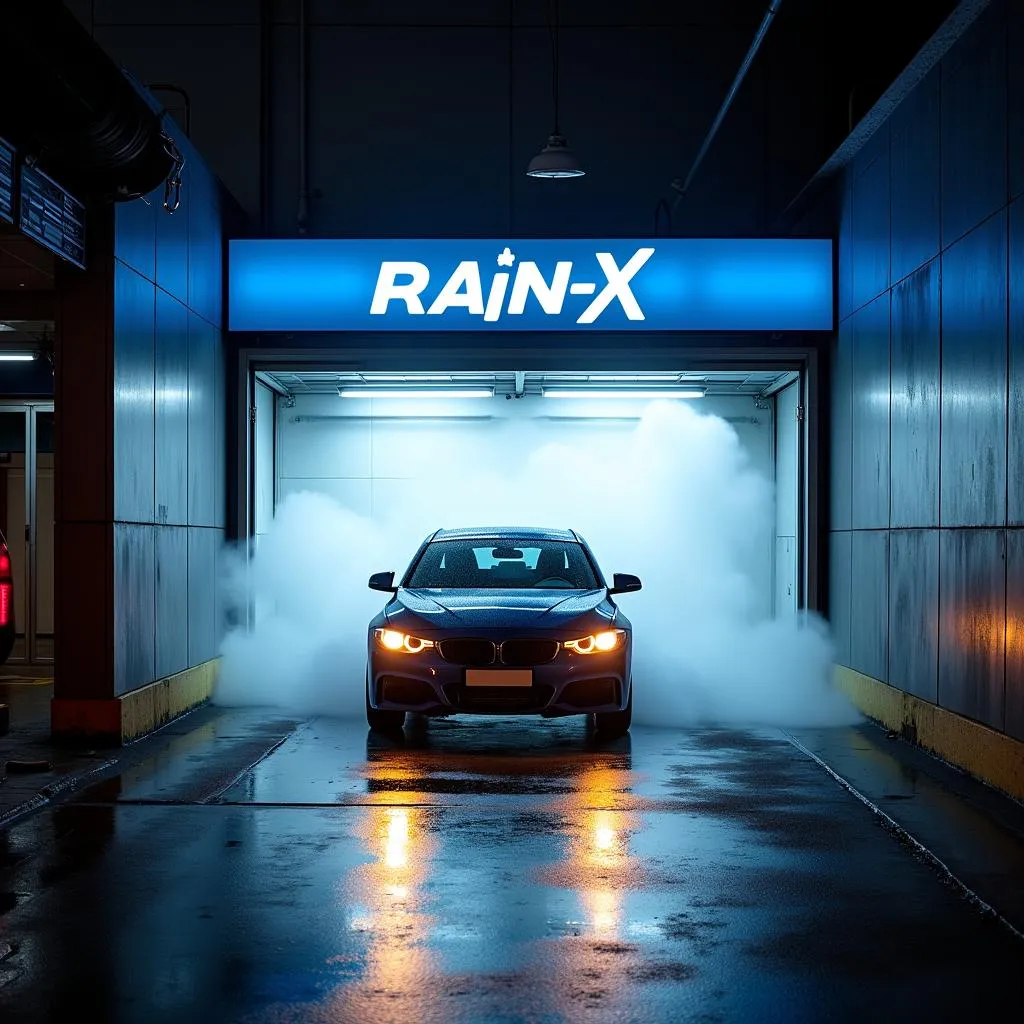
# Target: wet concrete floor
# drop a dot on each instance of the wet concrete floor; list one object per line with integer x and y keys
{"x": 484, "y": 870}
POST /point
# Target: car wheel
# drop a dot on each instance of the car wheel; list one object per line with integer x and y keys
{"x": 382, "y": 721}
{"x": 615, "y": 723}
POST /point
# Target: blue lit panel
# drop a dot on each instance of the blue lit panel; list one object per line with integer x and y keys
{"x": 659, "y": 284}
{"x": 6, "y": 182}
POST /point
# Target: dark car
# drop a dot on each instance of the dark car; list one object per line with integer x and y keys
{"x": 501, "y": 621}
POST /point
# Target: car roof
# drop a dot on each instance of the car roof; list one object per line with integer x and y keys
{"x": 519, "y": 532}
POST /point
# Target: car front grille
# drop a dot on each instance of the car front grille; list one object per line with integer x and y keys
{"x": 469, "y": 651}
{"x": 474, "y": 652}
{"x": 521, "y": 653}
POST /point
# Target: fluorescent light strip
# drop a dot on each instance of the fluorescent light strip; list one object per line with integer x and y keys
{"x": 406, "y": 393}
{"x": 623, "y": 394}
{"x": 17, "y": 357}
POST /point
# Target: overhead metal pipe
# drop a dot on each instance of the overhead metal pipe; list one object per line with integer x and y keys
{"x": 681, "y": 187}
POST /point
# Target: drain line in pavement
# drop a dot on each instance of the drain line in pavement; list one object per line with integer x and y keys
{"x": 922, "y": 851}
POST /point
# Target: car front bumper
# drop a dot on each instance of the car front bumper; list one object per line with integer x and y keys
{"x": 572, "y": 684}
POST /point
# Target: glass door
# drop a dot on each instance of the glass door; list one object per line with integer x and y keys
{"x": 14, "y": 519}
{"x": 26, "y": 522}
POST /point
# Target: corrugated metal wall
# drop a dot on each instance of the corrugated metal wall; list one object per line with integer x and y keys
{"x": 928, "y": 402}
{"x": 169, "y": 442}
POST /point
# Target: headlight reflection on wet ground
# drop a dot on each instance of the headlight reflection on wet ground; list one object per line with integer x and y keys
{"x": 596, "y": 867}
{"x": 387, "y": 909}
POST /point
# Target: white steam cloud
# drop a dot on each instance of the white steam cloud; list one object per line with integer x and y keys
{"x": 675, "y": 501}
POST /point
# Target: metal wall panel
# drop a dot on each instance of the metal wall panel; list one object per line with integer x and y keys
{"x": 1014, "y": 723}
{"x": 1015, "y": 411}
{"x": 871, "y": 223}
{"x": 171, "y": 410}
{"x": 134, "y": 607}
{"x": 914, "y": 407}
{"x": 870, "y": 425}
{"x": 205, "y": 460}
{"x": 220, "y": 604}
{"x": 844, "y": 248}
{"x": 134, "y": 317}
{"x": 202, "y": 594}
{"x": 172, "y": 599}
{"x": 972, "y": 609}
{"x": 915, "y": 178}
{"x": 840, "y": 573}
{"x": 172, "y": 242}
{"x": 973, "y": 400}
{"x": 204, "y": 254}
{"x": 869, "y": 603}
{"x": 974, "y": 126}
{"x": 914, "y": 612}
{"x": 841, "y": 442}
{"x": 135, "y": 236}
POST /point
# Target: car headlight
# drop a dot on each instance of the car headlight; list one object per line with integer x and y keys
{"x": 393, "y": 640}
{"x": 597, "y": 643}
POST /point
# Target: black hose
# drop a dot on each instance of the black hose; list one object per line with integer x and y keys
{"x": 76, "y": 112}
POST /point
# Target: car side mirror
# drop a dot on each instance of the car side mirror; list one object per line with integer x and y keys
{"x": 383, "y": 581}
{"x": 624, "y": 583}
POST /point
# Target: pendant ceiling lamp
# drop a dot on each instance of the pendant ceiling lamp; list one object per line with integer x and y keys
{"x": 556, "y": 159}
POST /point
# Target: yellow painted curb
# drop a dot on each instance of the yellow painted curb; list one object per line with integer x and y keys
{"x": 125, "y": 718}
{"x": 991, "y": 756}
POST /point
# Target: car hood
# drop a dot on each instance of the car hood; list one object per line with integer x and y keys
{"x": 498, "y": 609}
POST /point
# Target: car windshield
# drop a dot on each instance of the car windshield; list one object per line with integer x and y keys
{"x": 506, "y": 564}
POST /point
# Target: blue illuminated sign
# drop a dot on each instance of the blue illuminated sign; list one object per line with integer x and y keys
{"x": 6, "y": 182}
{"x": 658, "y": 284}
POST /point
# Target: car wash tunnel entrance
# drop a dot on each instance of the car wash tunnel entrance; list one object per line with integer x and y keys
{"x": 546, "y": 379}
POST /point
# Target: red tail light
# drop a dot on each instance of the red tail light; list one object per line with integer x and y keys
{"x": 6, "y": 602}
{"x": 5, "y": 563}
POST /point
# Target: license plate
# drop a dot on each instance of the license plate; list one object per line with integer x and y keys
{"x": 499, "y": 677}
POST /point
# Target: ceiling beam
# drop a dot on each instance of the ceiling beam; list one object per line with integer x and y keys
{"x": 27, "y": 304}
